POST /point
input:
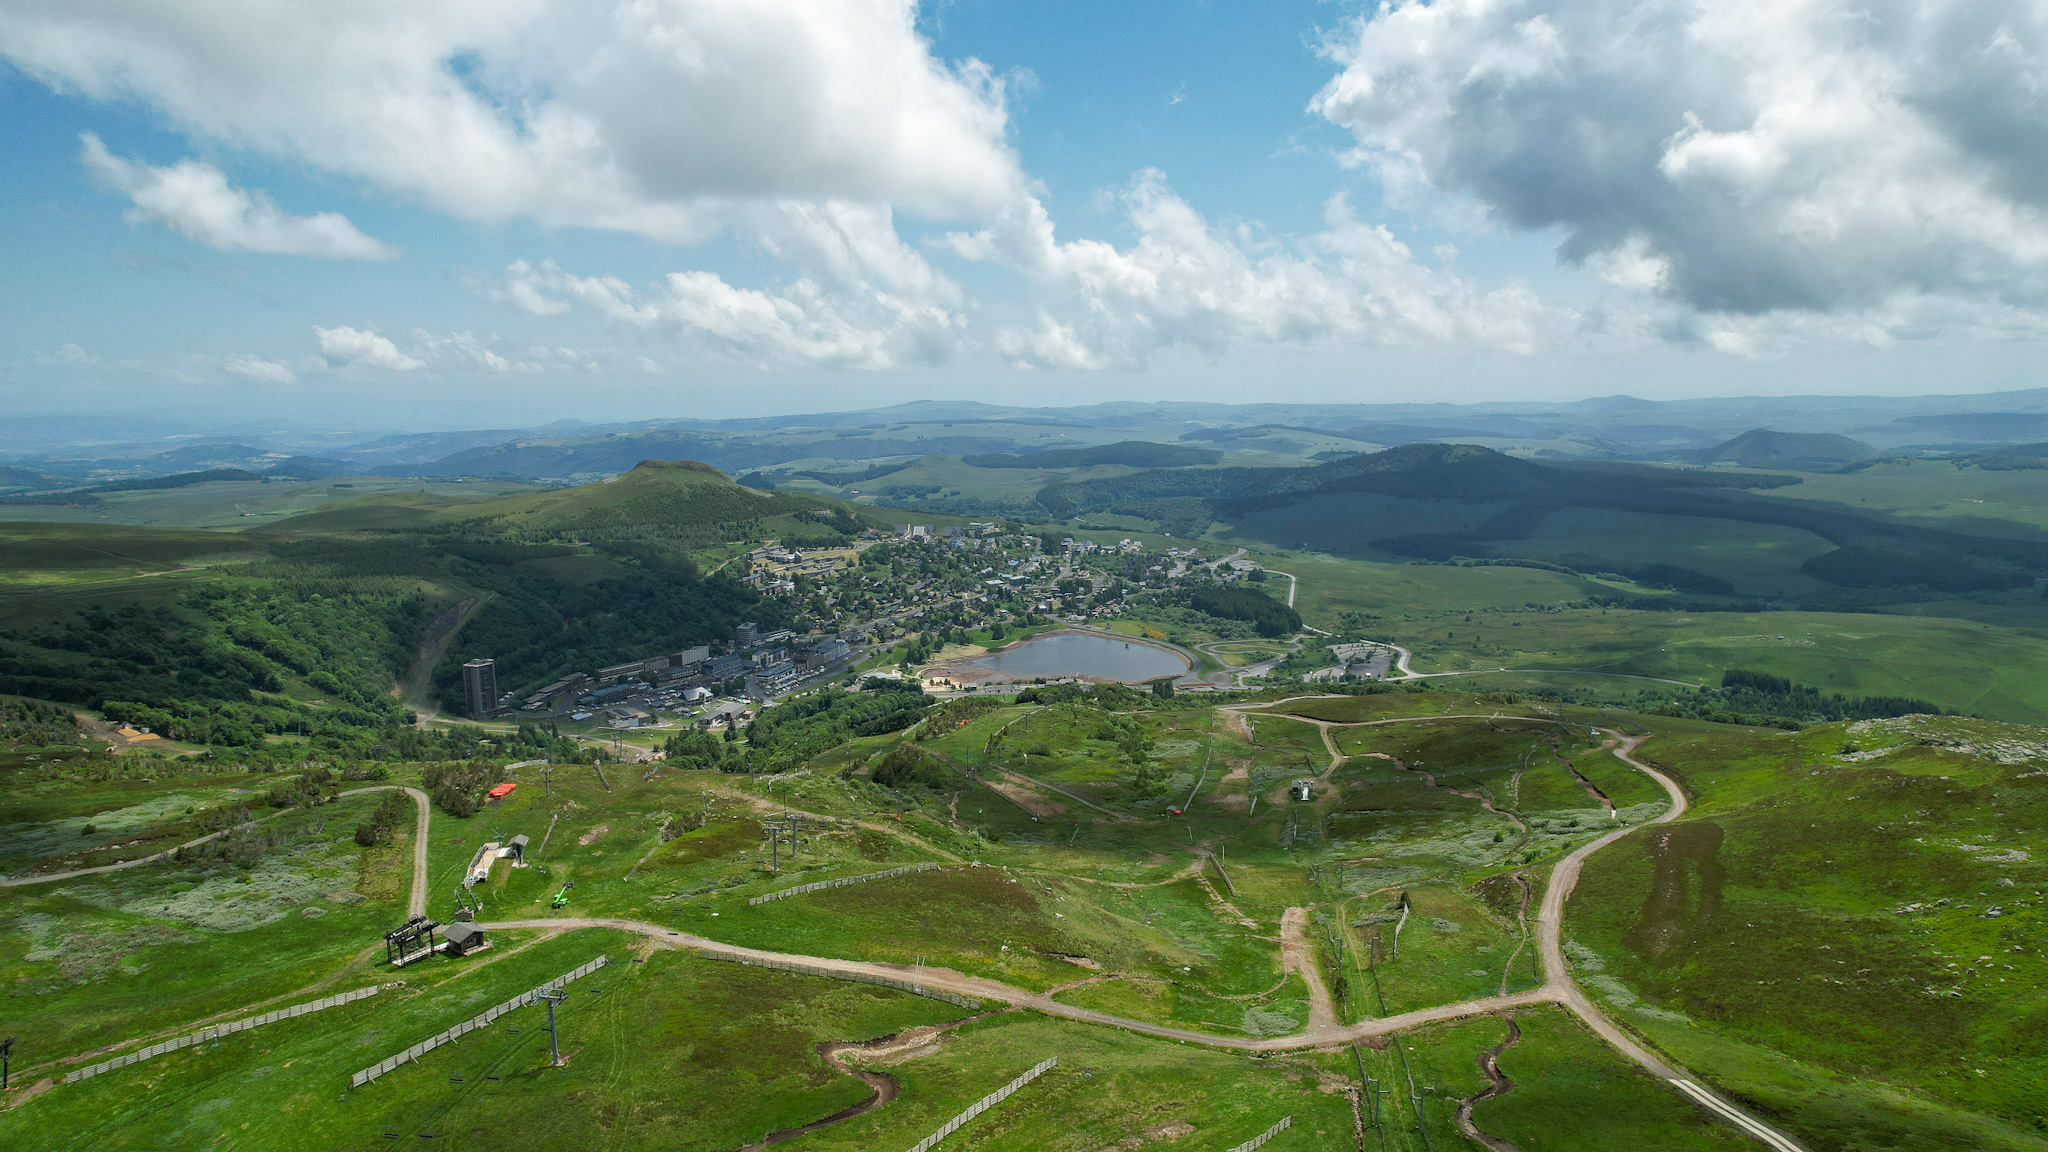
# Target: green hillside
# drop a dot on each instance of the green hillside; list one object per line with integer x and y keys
{"x": 654, "y": 495}
{"x": 303, "y": 624}
{"x": 1135, "y": 453}
{"x": 1764, "y": 448}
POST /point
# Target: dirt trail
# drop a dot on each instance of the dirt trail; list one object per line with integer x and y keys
{"x": 1297, "y": 956}
{"x": 417, "y": 904}
{"x": 1592, "y": 789}
{"x": 1480, "y": 798}
{"x": 1489, "y": 1064}
{"x": 886, "y": 1087}
{"x": 1188, "y": 872}
{"x": 1322, "y": 1031}
{"x": 1238, "y": 799}
{"x": 1322, "y": 726}
{"x": 948, "y": 980}
{"x": 760, "y": 804}
{"x": 1217, "y": 898}
{"x": 1031, "y": 781}
{"x": 1559, "y": 986}
{"x": 1010, "y": 788}
{"x": 1521, "y": 925}
{"x": 1021, "y": 780}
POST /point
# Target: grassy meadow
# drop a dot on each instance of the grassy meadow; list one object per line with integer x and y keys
{"x": 1410, "y": 865}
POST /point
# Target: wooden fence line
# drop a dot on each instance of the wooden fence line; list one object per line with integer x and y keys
{"x": 489, "y": 1017}
{"x": 842, "y": 882}
{"x": 987, "y": 1102}
{"x": 1259, "y": 1141}
{"x": 218, "y": 1031}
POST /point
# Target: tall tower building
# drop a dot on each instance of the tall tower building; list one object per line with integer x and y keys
{"x": 480, "y": 687}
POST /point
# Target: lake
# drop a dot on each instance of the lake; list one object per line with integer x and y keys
{"x": 1077, "y": 654}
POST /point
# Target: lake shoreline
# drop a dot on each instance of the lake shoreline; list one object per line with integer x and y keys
{"x": 973, "y": 671}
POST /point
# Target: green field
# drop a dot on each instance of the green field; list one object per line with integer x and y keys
{"x": 1824, "y": 929}
{"x": 1456, "y": 619}
{"x": 1839, "y": 935}
{"x": 240, "y": 504}
{"x": 1124, "y": 914}
{"x": 1758, "y": 559}
{"x": 1936, "y": 492}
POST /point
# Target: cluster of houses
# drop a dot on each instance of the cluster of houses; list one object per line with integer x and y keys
{"x": 1124, "y": 547}
{"x": 776, "y": 566}
{"x": 767, "y": 662}
{"x": 979, "y": 535}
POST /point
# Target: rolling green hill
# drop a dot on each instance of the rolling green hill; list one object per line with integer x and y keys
{"x": 683, "y": 502}
{"x": 1807, "y": 451}
{"x": 1135, "y": 453}
{"x": 303, "y": 624}
{"x": 1678, "y": 506}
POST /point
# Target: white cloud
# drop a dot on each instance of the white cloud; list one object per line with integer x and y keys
{"x": 799, "y": 324}
{"x": 68, "y": 356}
{"x": 658, "y": 117}
{"x": 197, "y": 200}
{"x": 1186, "y": 283}
{"x": 345, "y": 347}
{"x": 1738, "y": 158}
{"x": 862, "y": 299}
{"x": 1744, "y": 174}
{"x": 256, "y": 368}
{"x": 465, "y": 351}
{"x": 865, "y": 300}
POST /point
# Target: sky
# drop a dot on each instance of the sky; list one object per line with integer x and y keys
{"x": 398, "y": 213}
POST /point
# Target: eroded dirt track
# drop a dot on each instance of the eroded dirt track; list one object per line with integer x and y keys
{"x": 1498, "y": 1085}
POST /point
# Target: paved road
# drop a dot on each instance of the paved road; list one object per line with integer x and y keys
{"x": 1407, "y": 673}
{"x": 1292, "y": 585}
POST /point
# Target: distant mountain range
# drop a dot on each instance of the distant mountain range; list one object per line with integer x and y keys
{"x": 1612, "y": 427}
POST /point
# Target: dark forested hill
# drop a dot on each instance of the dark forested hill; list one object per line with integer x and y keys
{"x": 1871, "y": 551}
{"x": 309, "y": 627}
{"x": 1806, "y": 451}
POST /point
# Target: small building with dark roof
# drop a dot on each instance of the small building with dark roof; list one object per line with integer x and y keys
{"x": 464, "y": 937}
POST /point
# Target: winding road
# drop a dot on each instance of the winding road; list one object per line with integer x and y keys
{"x": 1404, "y": 672}
{"x": 1323, "y": 1031}
{"x": 1561, "y": 988}
{"x": 948, "y": 980}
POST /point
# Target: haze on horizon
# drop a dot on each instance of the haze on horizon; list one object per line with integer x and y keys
{"x": 398, "y": 215}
